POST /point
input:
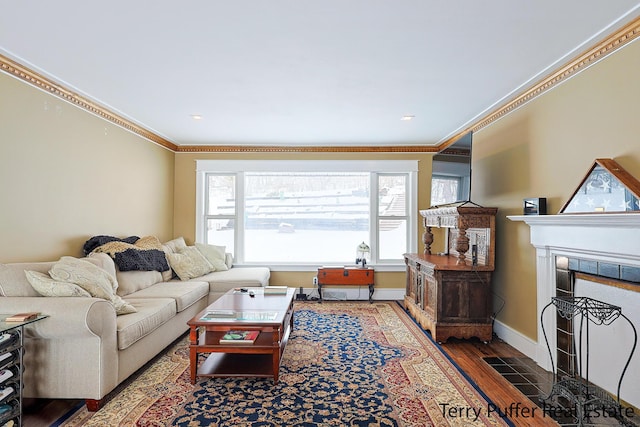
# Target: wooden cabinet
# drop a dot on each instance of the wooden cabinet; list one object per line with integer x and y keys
{"x": 449, "y": 294}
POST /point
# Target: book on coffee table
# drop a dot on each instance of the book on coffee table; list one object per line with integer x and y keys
{"x": 22, "y": 317}
{"x": 239, "y": 337}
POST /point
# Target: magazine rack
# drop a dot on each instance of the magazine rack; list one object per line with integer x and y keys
{"x": 11, "y": 356}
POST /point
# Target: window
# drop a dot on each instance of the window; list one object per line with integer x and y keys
{"x": 308, "y": 213}
{"x": 445, "y": 189}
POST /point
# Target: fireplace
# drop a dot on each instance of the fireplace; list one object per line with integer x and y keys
{"x": 595, "y": 256}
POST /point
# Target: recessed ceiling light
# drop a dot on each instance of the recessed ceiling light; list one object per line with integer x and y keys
{"x": 406, "y": 118}
{"x": 196, "y": 117}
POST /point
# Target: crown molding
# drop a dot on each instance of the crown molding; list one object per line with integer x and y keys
{"x": 31, "y": 77}
{"x": 305, "y": 149}
{"x": 615, "y": 41}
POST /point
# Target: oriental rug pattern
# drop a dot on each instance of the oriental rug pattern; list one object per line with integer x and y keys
{"x": 346, "y": 363}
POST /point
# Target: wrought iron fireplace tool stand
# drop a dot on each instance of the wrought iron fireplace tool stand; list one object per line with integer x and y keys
{"x": 575, "y": 387}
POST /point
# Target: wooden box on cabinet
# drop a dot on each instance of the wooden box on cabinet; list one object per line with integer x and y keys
{"x": 449, "y": 294}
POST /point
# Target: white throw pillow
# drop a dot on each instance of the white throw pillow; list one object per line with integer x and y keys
{"x": 228, "y": 259}
{"x": 47, "y": 287}
{"x": 215, "y": 255}
{"x": 189, "y": 263}
{"x": 91, "y": 278}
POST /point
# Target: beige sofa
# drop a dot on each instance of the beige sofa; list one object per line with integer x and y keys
{"x": 83, "y": 350}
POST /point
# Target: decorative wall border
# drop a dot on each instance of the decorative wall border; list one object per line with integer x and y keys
{"x": 306, "y": 149}
{"x": 615, "y": 41}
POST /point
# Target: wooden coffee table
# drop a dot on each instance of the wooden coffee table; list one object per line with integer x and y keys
{"x": 272, "y": 315}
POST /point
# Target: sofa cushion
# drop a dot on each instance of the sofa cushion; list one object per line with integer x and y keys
{"x": 189, "y": 263}
{"x": 214, "y": 254}
{"x": 132, "y": 281}
{"x": 150, "y": 314}
{"x": 237, "y": 277}
{"x": 48, "y": 287}
{"x": 185, "y": 293}
{"x": 13, "y": 281}
{"x": 91, "y": 278}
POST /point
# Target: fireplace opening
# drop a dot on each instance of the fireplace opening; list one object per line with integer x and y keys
{"x": 575, "y": 313}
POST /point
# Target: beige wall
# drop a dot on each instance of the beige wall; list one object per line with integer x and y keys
{"x": 544, "y": 149}
{"x": 66, "y": 175}
{"x": 185, "y": 215}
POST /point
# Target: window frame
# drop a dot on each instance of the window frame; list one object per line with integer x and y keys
{"x": 375, "y": 168}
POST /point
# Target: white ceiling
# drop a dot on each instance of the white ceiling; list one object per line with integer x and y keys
{"x": 296, "y": 72}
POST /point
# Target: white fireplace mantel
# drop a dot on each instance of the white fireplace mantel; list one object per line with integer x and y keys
{"x": 604, "y": 237}
{"x": 616, "y": 235}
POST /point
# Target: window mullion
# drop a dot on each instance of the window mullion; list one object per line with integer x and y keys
{"x": 374, "y": 209}
{"x": 240, "y": 216}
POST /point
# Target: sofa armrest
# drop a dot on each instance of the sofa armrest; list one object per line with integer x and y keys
{"x": 75, "y": 317}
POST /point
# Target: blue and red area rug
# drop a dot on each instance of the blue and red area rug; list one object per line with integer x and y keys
{"x": 346, "y": 363}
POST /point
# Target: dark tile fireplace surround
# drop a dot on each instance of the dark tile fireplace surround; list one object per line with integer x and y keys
{"x": 566, "y": 269}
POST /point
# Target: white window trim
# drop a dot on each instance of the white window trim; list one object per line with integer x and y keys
{"x": 381, "y": 166}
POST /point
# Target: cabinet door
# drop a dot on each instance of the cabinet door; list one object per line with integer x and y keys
{"x": 430, "y": 290}
{"x": 464, "y": 296}
{"x": 413, "y": 287}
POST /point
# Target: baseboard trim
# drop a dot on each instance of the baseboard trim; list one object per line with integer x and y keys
{"x": 360, "y": 292}
{"x": 517, "y": 340}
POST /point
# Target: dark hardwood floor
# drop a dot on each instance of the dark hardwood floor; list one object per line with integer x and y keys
{"x": 470, "y": 356}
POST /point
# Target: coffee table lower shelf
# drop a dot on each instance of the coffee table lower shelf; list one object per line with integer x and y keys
{"x": 261, "y": 359}
{"x": 237, "y": 365}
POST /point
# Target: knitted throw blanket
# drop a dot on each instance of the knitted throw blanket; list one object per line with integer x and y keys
{"x": 130, "y": 254}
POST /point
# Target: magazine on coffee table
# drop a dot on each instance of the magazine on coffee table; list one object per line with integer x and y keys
{"x": 239, "y": 337}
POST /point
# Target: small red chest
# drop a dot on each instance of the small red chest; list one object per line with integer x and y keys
{"x": 346, "y": 276}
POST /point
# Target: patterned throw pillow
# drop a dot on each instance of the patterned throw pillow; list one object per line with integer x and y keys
{"x": 189, "y": 263}
{"x": 47, "y": 287}
{"x": 96, "y": 281}
{"x": 172, "y": 247}
{"x": 215, "y": 255}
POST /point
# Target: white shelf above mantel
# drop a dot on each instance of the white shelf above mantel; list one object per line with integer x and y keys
{"x": 631, "y": 219}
